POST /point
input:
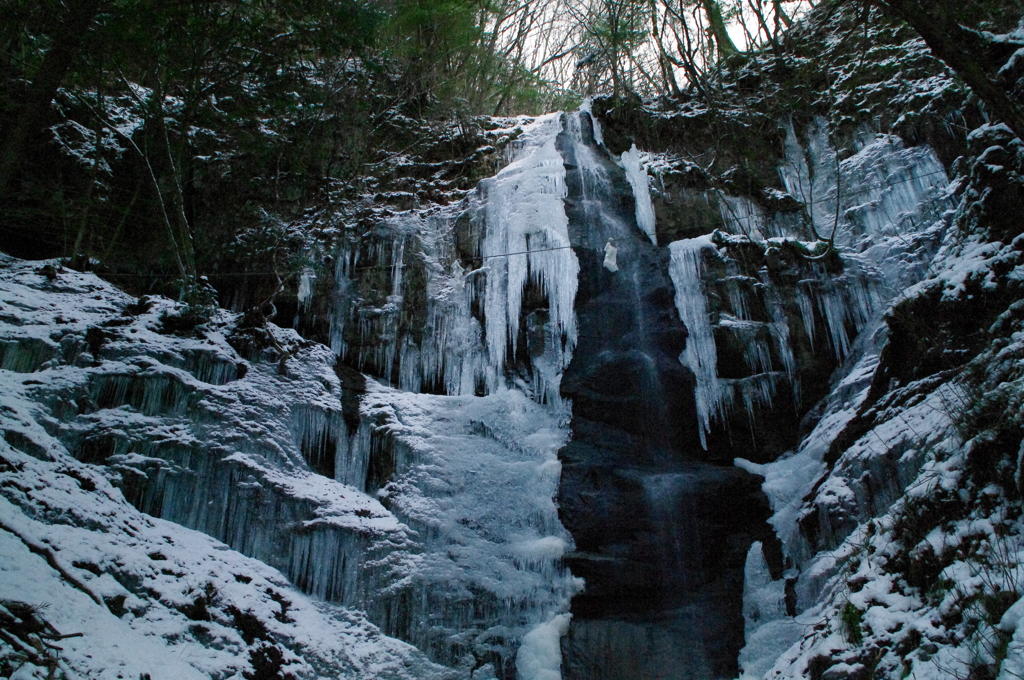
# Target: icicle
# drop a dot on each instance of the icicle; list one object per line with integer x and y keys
{"x": 527, "y": 237}
{"x": 794, "y": 172}
{"x": 848, "y": 302}
{"x": 780, "y": 333}
{"x": 700, "y": 355}
{"x": 306, "y": 287}
{"x": 339, "y": 308}
{"x": 587, "y": 108}
{"x": 742, "y": 217}
{"x": 26, "y": 355}
{"x": 610, "y": 253}
{"x": 806, "y": 307}
{"x": 637, "y": 176}
{"x": 882, "y": 190}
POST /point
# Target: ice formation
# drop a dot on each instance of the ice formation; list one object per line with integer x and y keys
{"x": 890, "y": 203}
{"x": 99, "y": 434}
{"x": 811, "y": 178}
{"x": 890, "y": 224}
{"x": 475, "y": 478}
{"x": 587, "y": 107}
{"x": 434, "y": 516}
{"x": 519, "y": 240}
{"x": 610, "y": 257}
{"x": 306, "y": 279}
{"x": 742, "y": 216}
{"x": 883, "y": 189}
{"x": 526, "y": 239}
{"x": 636, "y": 174}
{"x": 686, "y": 270}
{"x": 540, "y": 657}
{"x": 769, "y": 628}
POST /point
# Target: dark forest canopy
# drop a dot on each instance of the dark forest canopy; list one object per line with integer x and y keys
{"x": 179, "y": 138}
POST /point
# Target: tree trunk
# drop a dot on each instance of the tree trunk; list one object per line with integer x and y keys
{"x": 964, "y": 51}
{"x": 45, "y": 82}
{"x": 780, "y": 16}
{"x": 716, "y": 25}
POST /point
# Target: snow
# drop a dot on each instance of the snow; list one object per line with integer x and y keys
{"x": 151, "y": 569}
{"x": 256, "y": 452}
{"x": 540, "y": 657}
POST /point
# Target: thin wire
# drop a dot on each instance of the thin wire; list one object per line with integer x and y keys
{"x": 363, "y": 268}
{"x": 476, "y": 257}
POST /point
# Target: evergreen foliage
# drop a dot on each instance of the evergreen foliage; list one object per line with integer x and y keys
{"x": 163, "y": 141}
{"x": 154, "y": 136}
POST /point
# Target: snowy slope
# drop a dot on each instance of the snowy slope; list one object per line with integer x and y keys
{"x": 150, "y": 596}
{"x": 110, "y": 421}
{"x": 900, "y": 514}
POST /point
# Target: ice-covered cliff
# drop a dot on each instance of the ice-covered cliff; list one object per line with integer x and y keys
{"x": 899, "y": 512}
{"x": 434, "y": 516}
{"x": 676, "y": 392}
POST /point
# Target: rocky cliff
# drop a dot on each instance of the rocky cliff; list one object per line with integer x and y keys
{"x": 720, "y": 387}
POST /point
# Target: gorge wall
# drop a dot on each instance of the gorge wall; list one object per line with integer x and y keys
{"x": 620, "y": 411}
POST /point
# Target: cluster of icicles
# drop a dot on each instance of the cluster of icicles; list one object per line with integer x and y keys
{"x": 519, "y": 219}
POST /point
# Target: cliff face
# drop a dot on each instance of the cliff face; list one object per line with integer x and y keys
{"x": 116, "y": 437}
{"x": 900, "y": 510}
{"x": 690, "y": 389}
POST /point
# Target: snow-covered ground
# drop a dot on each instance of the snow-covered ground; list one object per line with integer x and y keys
{"x": 122, "y": 438}
{"x": 900, "y": 513}
{"x": 148, "y": 596}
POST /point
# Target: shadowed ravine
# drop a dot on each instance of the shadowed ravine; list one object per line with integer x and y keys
{"x": 661, "y": 532}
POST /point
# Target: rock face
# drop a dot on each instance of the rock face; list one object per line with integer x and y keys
{"x": 559, "y": 427}
{"x": 668, "y": 396}
{"x": 661, "y": 532}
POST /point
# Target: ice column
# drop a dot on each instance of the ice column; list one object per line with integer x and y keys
{"x": 742, "y": 217}
{"x": 527, "y": 239}
{"x": 882, "y": 190}
{"x": 637, "y": 176}
{"x": 306, "y": 287}
{"x": 700, "y": 356}
{"x": 540, "y": 656}
{"x": 586, "y": 107}
{"x": 812, "y": 179}
{"x": 888, "y": 190}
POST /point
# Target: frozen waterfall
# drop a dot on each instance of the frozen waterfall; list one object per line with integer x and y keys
{"x": 700, "y": 355}
{"x": 526, "y": 239}
{"x": 637, "y": 176}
